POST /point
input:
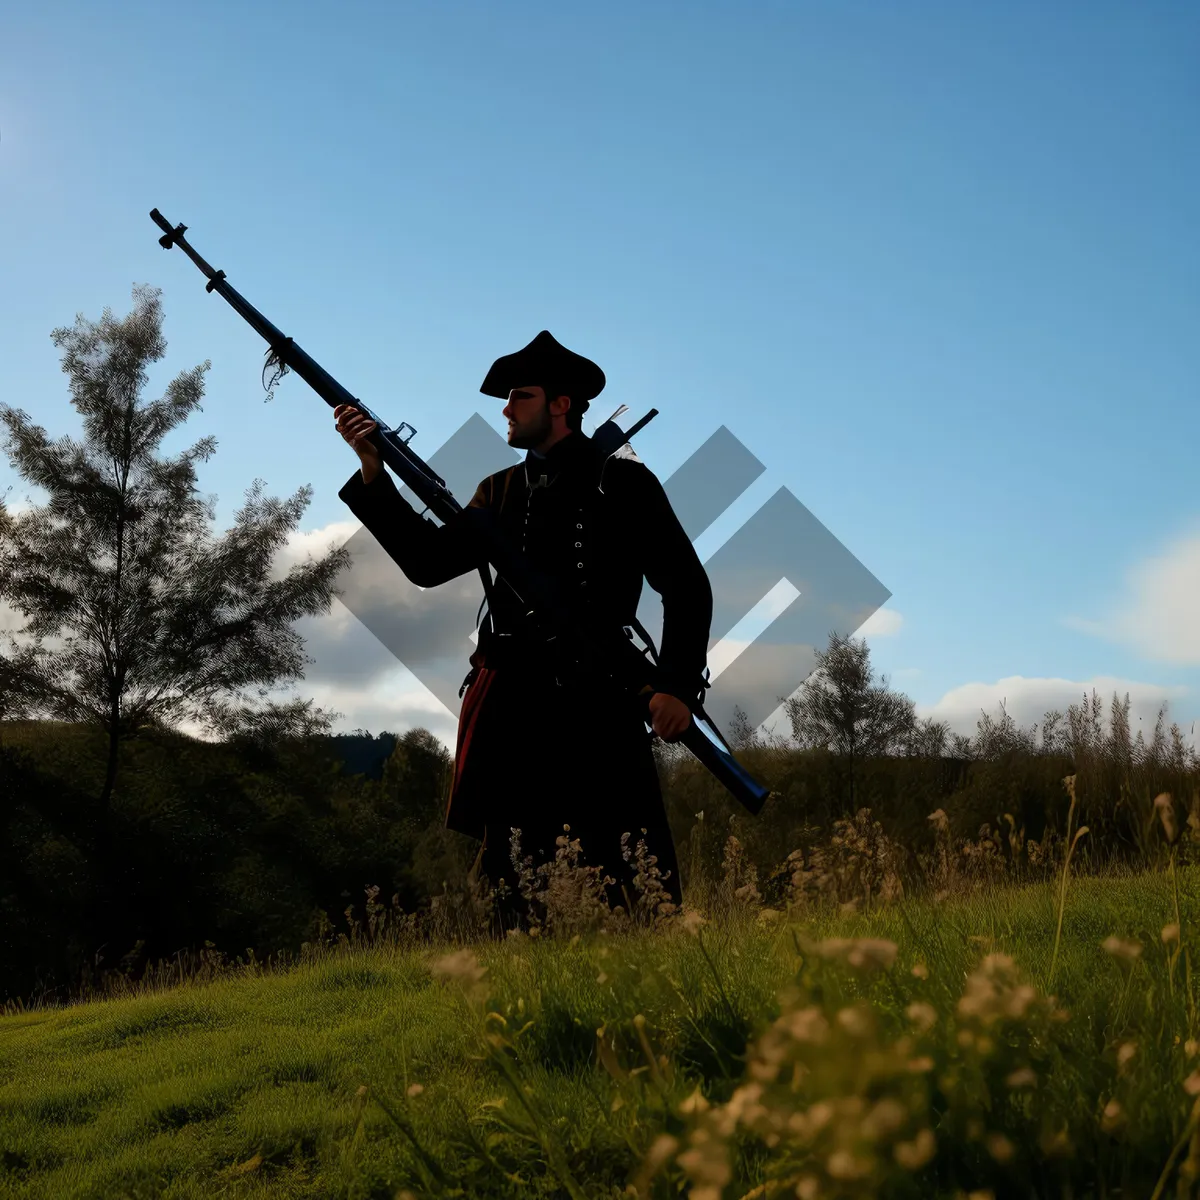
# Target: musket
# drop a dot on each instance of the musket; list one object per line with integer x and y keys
{"x": 627, "y": 665}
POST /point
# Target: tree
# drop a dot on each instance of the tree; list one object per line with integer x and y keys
{"x": 161, "y": 622}
{"x": 996, "y": 739}
{"x": 927, "y": 739}
{"x": 841, "y": 708}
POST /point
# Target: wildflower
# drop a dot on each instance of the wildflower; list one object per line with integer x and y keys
{"x": 807, "y": 1025}
{"x": 842, "y": 1165}
{"x": 1126, "y": 951}
{"x": 414, "y": 1089}
{"x": 920, "y": 971}
{"x": 769, "y": 915}
{"x": 1165, "y": 808}
{"x": 1191, "y": 1047}
{"x": 1170, "y": 933}
{"x": 1056, "y": 1144}
{"x": 1191, "y": 1084}
{"x": 706, "y": 1162}
{"x": 1125, "y": 1053}
{"x": 993, "y": 994}
{"x": 999, "y": 1147}
{"x": 1113, "y": 1117}
{"x": 744, "y": 1105}
{"x": 860, "y": 954}
{"x": 694, "y": 1104}
{"x": 922, "y": 1015}
{"x": 464, "y": 968}
{"x": 856, "y": 1021}
{"x": 884, "y": 1119}
{"x": 912, "y": 1156}
{"x": 691, "y": 921}
{"x": 1022, "y": 1077}
{"x": 660, "y": 1152}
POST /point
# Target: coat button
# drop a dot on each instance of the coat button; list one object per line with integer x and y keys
{"x": 579, "y": 565}
{"x": 578, "y": 544}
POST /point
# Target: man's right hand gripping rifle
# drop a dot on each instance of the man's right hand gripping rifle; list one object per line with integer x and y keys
{"x": 355, "y": 428}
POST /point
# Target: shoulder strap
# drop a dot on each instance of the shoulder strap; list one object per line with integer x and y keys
{"x": 485, "y": 574}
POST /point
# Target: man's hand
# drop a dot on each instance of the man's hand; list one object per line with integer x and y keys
{"x": 354, "y": 427}
{"x": 669, "y": 716}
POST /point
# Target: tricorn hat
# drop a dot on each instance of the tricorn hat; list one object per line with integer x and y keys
{"x": 545, "y": 360}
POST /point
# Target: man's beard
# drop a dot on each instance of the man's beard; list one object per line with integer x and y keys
{"x": 532, "y": 435}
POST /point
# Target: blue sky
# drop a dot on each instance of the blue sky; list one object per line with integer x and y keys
{"x": 934, "y": 264}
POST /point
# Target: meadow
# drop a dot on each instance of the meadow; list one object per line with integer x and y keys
{"x": 981, "y": 1039}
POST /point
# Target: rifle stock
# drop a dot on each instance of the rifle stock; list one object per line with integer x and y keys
{"x": 543, "y": 609}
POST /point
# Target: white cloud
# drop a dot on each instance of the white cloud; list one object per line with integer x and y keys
{"x": 1027, "y": 700}
{"x": 1159, "y": 616}
{"x": 883, "y": 622}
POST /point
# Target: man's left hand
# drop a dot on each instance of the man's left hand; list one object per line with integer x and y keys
{"x": 669, "y": 716}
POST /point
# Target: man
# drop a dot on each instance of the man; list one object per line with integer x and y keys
{"x": 537, "y": 747}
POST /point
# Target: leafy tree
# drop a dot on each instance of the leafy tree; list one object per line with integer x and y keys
{"x": 159, "y": 622}
{"x": 841, "y": 708}
{"x": 927, "y": 739}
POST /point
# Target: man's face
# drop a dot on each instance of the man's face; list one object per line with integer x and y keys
{"x": 528, "y": 416}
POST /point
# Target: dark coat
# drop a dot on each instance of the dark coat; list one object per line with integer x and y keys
{"x": 532, "y": 754}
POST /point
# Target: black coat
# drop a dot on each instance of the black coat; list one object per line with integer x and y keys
{"x": 532, "y": 754}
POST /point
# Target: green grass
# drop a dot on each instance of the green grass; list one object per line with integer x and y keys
{"x": 250, "y": 1085}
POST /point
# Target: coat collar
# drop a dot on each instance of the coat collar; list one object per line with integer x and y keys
{"x": 565, "y": 454}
